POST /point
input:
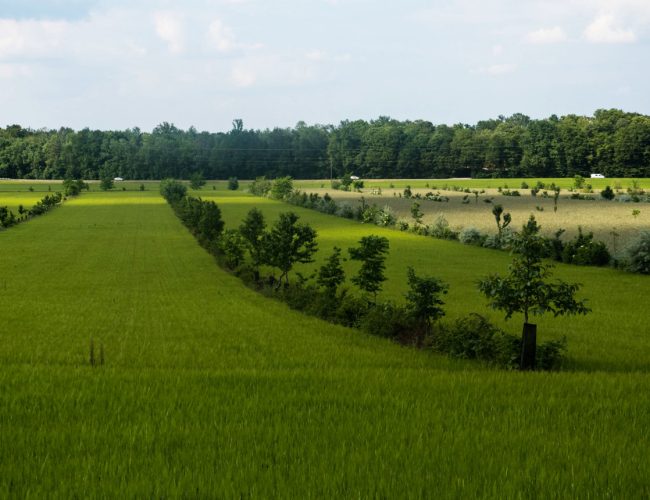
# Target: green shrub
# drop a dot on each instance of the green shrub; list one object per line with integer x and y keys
{"x": 637, "y": 254}
{"x": 583, "y": 250}
{"x": 390, "y": 321}
{"x": 233, "y": 183}
{"x": 474, "y": 337}
{"x": 232, "y": 246}
{"x": 608, "y": 193}
{"x": 472, "y": 236}
{"x": 260, "y": 186}
{"x": 172, "y": 190}
{"x": 281, "y": 188}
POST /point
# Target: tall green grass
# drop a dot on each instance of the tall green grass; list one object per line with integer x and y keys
{"x": 211, "y": 390}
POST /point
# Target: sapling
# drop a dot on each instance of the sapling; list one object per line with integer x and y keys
{"x": 526, "y": 289}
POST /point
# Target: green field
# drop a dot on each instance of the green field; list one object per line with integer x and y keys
{"x": 211, "y": 390}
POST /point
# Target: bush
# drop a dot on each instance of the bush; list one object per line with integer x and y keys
{"x": 260, "y": 186}
{"x": 281, "y": 188}
{"x": 346, "y": 211}
{"x": 233, "y": 183}
{"x": 637, "y": 254}
{"x": 608, "y": 193}
{"x": 390, "y": 321}
{"x": 474, "y": 337}
{"x": 441, "y": 229}
{"x": 472, "y": 236}
{"x": 232, "y": 246}
{"x": 584, "y": 251}
{"x": 172, "y": 190}
{"x": 385, "y": 217}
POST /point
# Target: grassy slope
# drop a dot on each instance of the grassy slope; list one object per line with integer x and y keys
{"x": 209, "y": 388}
{"x": 611, "y": 338}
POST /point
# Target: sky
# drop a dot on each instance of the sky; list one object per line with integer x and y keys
{"x": 137, "y": 63}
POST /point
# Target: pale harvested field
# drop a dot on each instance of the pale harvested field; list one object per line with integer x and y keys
{"x": 600, "y": 216}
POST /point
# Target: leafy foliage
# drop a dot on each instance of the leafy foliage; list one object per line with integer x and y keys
{"x": 197, "y": 181}
{"x": 637, "y": 254}
{"x": 371, "y": 252}
{"x": 423, "y": 298}
{"x": 288, "y": 243}
{"x": 172, "y": 190}
{"x": 526, "y": 290}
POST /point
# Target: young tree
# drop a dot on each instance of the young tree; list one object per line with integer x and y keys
{"x": 281, "y": 188}
{"x": 209, "y": 225}
{"x": 252, "y": 229}
{"x": 232, "y": 245}
{"x": 497, "y": 211}
{"x": 172, "y": 190}
{"x": 371, "y": 252}
{"x": 197, "y": 181}
{"x": 423, "y": 297}
{"x": 608, "y": 193}
{"x": 416, "y": 213}
{"x": 288, "y": 243}
{"x": 526, "y": 289}
{"x": 233, "y": 183}
{"x": 331, "y": 274}
{"x": 106, "y": 183}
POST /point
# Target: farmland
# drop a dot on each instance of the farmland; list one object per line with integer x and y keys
{"x": 208, "y": 387}
{"x": 612, "y": 222}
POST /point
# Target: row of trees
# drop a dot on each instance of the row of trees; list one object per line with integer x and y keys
{"x": 611, "y": 142}
{"x": 251, "y": 247}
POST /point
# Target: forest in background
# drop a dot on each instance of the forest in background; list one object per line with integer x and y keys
{"x": 611, "y": 142}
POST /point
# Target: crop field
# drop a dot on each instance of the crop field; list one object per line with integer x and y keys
{"x": 612, "y": 222}
{"x": 210, "y": 389}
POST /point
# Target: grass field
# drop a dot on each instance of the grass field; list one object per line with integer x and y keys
{"x": 209, "y": 389}
{"x": 610, "y": 221}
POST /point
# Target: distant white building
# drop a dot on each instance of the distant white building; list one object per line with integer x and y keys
{"x": 118, "y": 179}
{"x": 597, "y": 176}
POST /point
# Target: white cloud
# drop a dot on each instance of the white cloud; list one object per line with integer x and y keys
{"x": 9, "y": 71}
{"x": 243, "y": 76}
{"x": 497, "y": 49}
{"x": 604, "y": 29}
{"x": 220, "y": 36}
{"x": 497, "y": 69}
{"x": 170, "y": 29}
{"x": 547, "y": 35}
{"x": 31, "y": 38}
{"x": 324, "y": 56}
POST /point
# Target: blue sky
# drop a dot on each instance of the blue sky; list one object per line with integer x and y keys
{"x": 119, "y": 64}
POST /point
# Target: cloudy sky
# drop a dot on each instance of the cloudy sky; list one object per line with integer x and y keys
{"x": 119, "y": 64}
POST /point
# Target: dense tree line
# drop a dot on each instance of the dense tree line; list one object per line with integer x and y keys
{"x": 611, "y": 142}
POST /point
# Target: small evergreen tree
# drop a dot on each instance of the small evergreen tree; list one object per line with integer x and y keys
{"x": 197, "y": 181}
{"x": 331, "y": 274}
{"x": 416, "y": 213}
{"x": 371, "y": 252}
{"x": 106, "y": 183}
{"x": 252, "y": 229}
{"x": 423, "y": 298}
{"x": 608, "y": 193}
{"x": 172, "y": 190}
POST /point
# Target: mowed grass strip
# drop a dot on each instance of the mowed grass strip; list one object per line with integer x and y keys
{"x": 210, "y": 390}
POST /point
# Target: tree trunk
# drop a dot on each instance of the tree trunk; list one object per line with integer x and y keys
{"x": 528, "y": 346}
